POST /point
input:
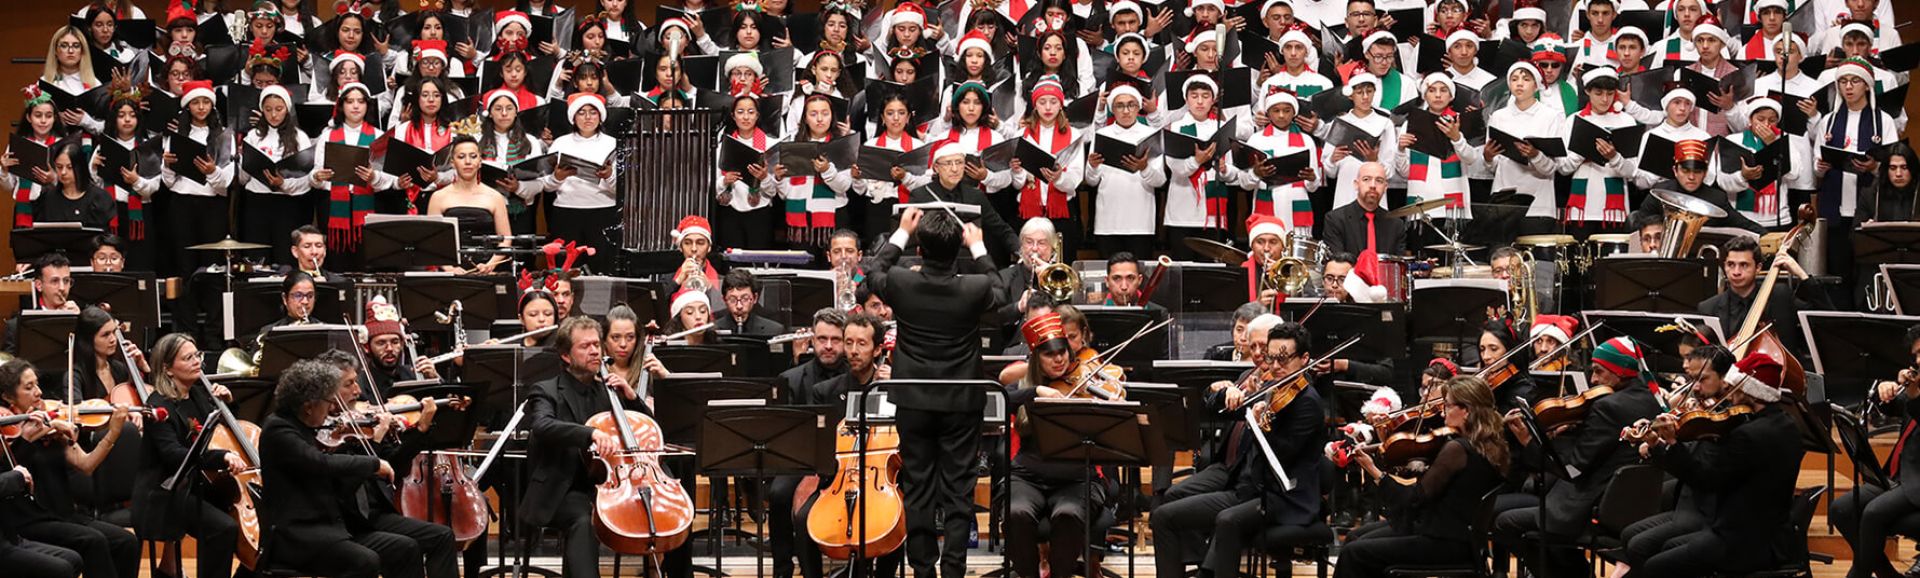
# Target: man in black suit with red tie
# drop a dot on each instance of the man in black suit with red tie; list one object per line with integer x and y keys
{"x": 1347, "y": 228}
{"x": 938, "y": 311}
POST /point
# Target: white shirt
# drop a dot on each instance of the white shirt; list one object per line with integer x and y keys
{"x": 216, "y": 185}
{"x": 1123, "y": 199}
{"x": 269, "y": 144}
{"x": 583, "y": 190}
{"x": 1534, "y": 177}
{"x": 1347, "y": 170}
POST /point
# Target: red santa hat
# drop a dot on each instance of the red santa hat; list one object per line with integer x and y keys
{"x": 976, "y": 39}
{"x": 1559, "y": 327}
{"x": 583, "y": 100}
{"x": 193, "y": 89}
{"x": 686, "y": 298}
{"x": 692, "y": 225}
{"x": 1757, "y": 374}
{"x": 1258, "y": 225}
{"x": 906, "y": 13}
{"x": 504, "y": 17}
{"x": 424, "y": 49}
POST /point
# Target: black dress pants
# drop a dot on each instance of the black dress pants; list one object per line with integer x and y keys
{"x": 1063, "y": 505}
{"x": 106, "y": 550}
{"x": 938, "y": 449}
{"x": 193, "y": 220}
{"x": 271, "y": 219}
{"x": 1510, "y": 530}
{"x": 216, "y": 536}
{"x": 1203, "y": 513}
{"x": 368, "y": 555}
{"x": 30, "y": 559}
{"x": 1655, "y": 534}
{"x": 1867, "y": 516}
{"x": 434, "y": 541}
{"x": 780, "y": 524}
{"x": 1381, "y": 547}
{"x": 1697, "y": 553}
{"x": 580, "y": 557}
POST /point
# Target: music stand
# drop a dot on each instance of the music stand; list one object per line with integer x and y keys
{"x": 1167, "y": 408}
{"x": 992, "y": 365}
{"x": 678, "y": 402}
{"x": 482, "y": 299}
{"x": 1092, "y": 433}
{"x": 403, "y": 242}
{"x": 507, "y": 371}
{"x": 721, "y": 359}
{"x": 42, "y": 338}
{"x": 807, "y": 294}
{"x": 286, "y": 344}
{"x": 252, "y": 398}
{"x": 1856, "y": 348}
{"x": 1879, "y": 243}
{"x": 256, "y": 302}
{"x": 1112, "y": 325}
{"x": 1661, "y": 349}
{"x": 1906, "y": 287}
{"x": 1382, "y": 325}
{"x": 756, "y": 357}
{"x": 1452, "y": 308}
{"x": 1213, "y": 288}
{"x": 31, "y": 242}
{"x": 748, "y": 438}
{"x": 1194, "y": 377}
{"x": 594, "y": 295}
{"x": 135, "y": 297}
{"x": 1656, "y": 285}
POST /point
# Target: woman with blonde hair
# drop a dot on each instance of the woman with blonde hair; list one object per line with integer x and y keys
{"x": 69, "y": 68}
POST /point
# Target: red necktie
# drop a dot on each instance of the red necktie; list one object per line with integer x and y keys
{"x": 1893, "y": 468}
{"x": 1370, "y": 236}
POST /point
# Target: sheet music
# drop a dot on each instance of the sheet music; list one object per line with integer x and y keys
{"x": 1266, "y": 449}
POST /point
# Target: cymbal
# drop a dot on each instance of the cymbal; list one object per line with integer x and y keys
{"x": 1445, "y": 248}
{"x": 1217, "y": 251}
{"x": 228, "y": 244}
{"x": 1420, "y": 207}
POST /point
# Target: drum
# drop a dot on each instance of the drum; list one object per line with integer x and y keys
{"x": 1300, "y": 245}
{"x": 1548, "y": 248}
{"x": 1601, "y": 246}
{"x": 1396, "y": 278}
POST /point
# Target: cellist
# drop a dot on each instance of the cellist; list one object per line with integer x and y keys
{"x": 865, "y": 349}
{"x": 1042, "y": 491}
{"x": 561, "y": 492}
{"x": 370, "y": 507}
{"x": 160, "y": 514}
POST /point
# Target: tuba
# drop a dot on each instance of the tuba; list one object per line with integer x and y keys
{"x": 1685, "y": 215}
{"x": 1058, "y": 280}
{"x": 1521, "y": 305}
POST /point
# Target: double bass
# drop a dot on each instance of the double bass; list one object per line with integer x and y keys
{"x": 1755, "y": 338}
{"x": 639, "y": 509}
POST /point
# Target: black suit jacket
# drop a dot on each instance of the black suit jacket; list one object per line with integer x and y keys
{"x": 1001, "y": 238}
{"x": 1782, "y": 309}
{"x": 1346, "y": 231}
{"x": 938, "y": 313}
{"x": 1594, "y": 450}
{"x": 162, "y": 514}
{"x": 1750, "y": 473}
{"x": 300, "y": 509}
{"x": 1297, "y": 435}
{"x": 557, "y": 442}
{"x": 801, "y": 379}
{"x": 756, "y": 325}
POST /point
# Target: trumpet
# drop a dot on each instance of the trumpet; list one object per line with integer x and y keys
{"x": 693, "y": 275}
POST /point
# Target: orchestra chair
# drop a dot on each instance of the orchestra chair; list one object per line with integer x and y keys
{"x": 1279, "y": 546}
{"x": 1480, "y": 533}
{"x": 1799, "y": 560}
{"x": 264, "y": 566}
{"x": 1634, "y": 494}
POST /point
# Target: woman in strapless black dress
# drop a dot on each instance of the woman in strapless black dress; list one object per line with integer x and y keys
{"x": 480, "y": 209}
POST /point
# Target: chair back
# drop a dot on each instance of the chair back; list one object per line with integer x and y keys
{"x": 1632, "y": 495}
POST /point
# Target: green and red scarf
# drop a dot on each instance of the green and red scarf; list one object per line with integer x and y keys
{"x": 1766, "y": 200}
{"x": 23, "y": 194}
{"x": 348, "y": 205}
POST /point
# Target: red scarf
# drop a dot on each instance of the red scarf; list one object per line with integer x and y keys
{"x": 903, "y": 144}
{"x": 1043, "y": 199}
{"x": 23, "y": 194}
{"x": 430, "y": 138}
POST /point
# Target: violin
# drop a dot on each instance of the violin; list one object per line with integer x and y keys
{"x": 639, "y": 509}
{"x": 1554, "y": 412}
{"x": 96, "y": 413}
{"x": 1276, "y": 395}
{"x": 864, "y": 509}
{"x": 1091, "y": 378}
{"x": 1696, "y": 420}
{"x": 1411, "y": 419}
{"x": 1401, "y": 449}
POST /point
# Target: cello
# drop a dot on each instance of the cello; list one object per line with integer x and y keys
{"x": 1755, "y": 338}
{"x": 639, "y": 509}
{"x": 241, "y": 438}
{"x": 872, "y": 517}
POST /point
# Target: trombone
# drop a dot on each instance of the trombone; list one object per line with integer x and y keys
{"x": 1058, "y": 280}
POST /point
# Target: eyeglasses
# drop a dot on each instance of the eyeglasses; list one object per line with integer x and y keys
{"x": 1549, "y": 64}
{"x": 950, "y": 162}
{"x": 740, "y": 300}
{"x": 301, "y": 296}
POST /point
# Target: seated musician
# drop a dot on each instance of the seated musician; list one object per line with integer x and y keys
{"x": 827, "y": 363}
{"x": 537, "y": 311}
{"x": 51, "y": 454}
{"x": 1362, "y": 227}
{"x": 309, "y": 250}
{"x": 1690, "y": 179}
{"x": 189, "y": 508}
{"x": 1497, "y": 339}
{"x": 27, "y": 558}
{"x": 560, "y": 283}
{"x": 1739, "y": 264}
{"x": 1869, "y": 514}
{"x": 623, "y": 341}
{"x": 1649, "y": 234}
{"x": 871, "y": 303}
{"x": 1502, "y": 262}
{"x": 1741, "y": 483}
{"x": 688, "y": 310}
{"x": 867, "y": 353}
{"x": 1549, "y": 333}
{"x": 1240, "y": 495}
{"x": 1125, "y": 284}
{"x": 52, "y": 280}
{"x": 1037, "y": 304}
{"x": 1267, "y": 238}
{"x": 1438, "y": 371}
{"x": 1341, "y": 282}
{"x": 1433, "y": 518}
{"x": 301, "y": 515}
{"x": 843, "y": 250}
{"x": 1046, "y": 491}
{"x": 105, "y": 254}
{"x": 1584, "y": 454}
{"x": 370, "y": 506}
{"x": 1238, "y": 349}
{"x": 738, "y": 288}
{"x": 297, "y": 297}
{"x": 561, "y": 494}
{"x": 1036, "y": 251}
{"x": 387, "y": 348}
{"x": 694, "y": 237}
{"x": 1073, "y": 327}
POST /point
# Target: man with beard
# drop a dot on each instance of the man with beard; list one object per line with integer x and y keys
{"x": 387, "y": 348}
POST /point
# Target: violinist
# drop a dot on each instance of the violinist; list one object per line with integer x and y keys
{"x": 301, "y": 514}
{"x": 368, "y": 505}
{"x": 1073, "y": 326}
{"x": 1040, "y": 490}
{"x": 828, "y": 362}
{"x": 1509, "y": 379}
{"x": 1549, "y": 333}
{"x": 1867, "y": 515}
{"x": 561, "y": 493}
{"x": 1431, "y": 520}
{"x": 189, "y": 508}
{"x": 48, "y": 449}
{"x": 865, "y": 349}
{"x": 1584, "y": 456}
{"x": 1742, "y": 480}
{"x": 387, "y": 349}
{"x": 1739, "y": 265}
{"x": 1239, "y": 496}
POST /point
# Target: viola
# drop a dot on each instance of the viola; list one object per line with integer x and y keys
{"x": 640, "y": 509}
{"x": 438, "y": 490}
{"x": 1554, "y": 412}
{"x": 1404, "y": 448}
{"x": 864, "y": 509}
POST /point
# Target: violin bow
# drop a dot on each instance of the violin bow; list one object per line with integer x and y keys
{"x": 1106, "y": 357}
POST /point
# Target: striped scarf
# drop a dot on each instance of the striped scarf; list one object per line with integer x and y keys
{"x": 1766, "y": 200}
{"x": 1210, "y": 191}
{"x": 1042, "y": 199}
{"x": 135, "y": 215}
{"x": 1391, "y": 90}
{"x": 1422, "y": 181}
{"x": 428, "y": 138}
{"x": 516, "y": 152}
{"x": 1569, "y": 97}
{"x": 1758, "y": 48}
{"x": 815, "y": 209}
{"x": 348, "y": 205}
{"x": 23, "y": 194}
{"x": 1614, "y": 211}
{"x": 1299, "y": 205}
{"x": 1676, "y": 48}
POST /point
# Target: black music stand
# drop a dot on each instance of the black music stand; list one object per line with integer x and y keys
{"x": 256, "y": 303}
{"x": 1093, "y": 433}
{"x": 410, "y": 242}
{"x": 678, "y": 402}
{"x": 757, "y": 358}
{"x": 1655, "y": 285}
{"x": 1856, "y": 348}
{"x": 135, "y": 297}
{"x": 482, "y": 299}
{"x": 287, "y": 344}
{"x": 1112, "y": 325}
{"x": 1661, "y": 349}
{"x": 252, "y": 398}
{"x": 1906, "y": 287}
{"x": 749, "y": 438}
{"x": 721, "y": 359}
{"x": 1877, "y": 245}
{"x": 1167, "y": 407}
{"x": 594, "y": 295}
{"x": 1452, "y": 310}
{"x": 42, "y": 338}
{"x": 31, "y": 242}
{"x": 992, "y": 365}
{"x": 1214, "y": 289}
{"x": 1382, "y": 325}
{"x": 1194, "y": 377}
{"x": 807, "y": 294}
{"x": 507, "y": 372}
